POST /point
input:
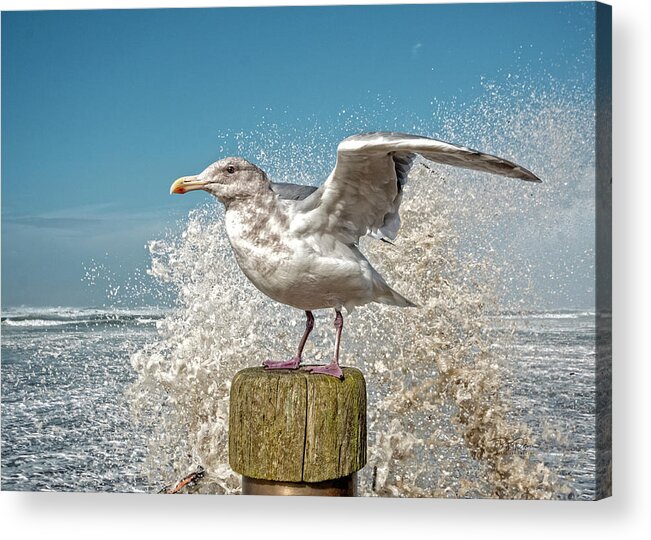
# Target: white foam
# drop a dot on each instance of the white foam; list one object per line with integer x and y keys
{"x": 34, "y": 322}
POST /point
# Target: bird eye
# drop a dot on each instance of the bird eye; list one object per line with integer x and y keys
{"x": 230, "y": 169}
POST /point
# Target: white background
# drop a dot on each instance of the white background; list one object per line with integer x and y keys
{"x": 625, "y": 515}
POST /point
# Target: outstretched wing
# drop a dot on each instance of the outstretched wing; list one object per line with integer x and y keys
{"x": 362, "y": 194}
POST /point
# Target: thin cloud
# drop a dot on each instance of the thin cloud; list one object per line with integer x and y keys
{"x": 59, "y": 223}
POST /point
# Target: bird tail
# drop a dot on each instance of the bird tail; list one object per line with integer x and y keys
{"x": 386, "y": 295}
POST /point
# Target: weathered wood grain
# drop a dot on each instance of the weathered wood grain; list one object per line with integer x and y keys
{"x": 294, "y": 426}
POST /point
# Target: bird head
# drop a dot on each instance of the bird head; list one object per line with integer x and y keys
{"x": 228, "y": 179}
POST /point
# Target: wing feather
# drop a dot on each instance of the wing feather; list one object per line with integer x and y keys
{"x": 362, "y": 195}
{"x": 292, "y": 192}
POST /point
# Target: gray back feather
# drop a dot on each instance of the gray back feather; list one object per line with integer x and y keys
{"x": 292, "y": 192}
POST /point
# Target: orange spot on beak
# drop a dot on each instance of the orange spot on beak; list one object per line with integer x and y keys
{"x": 185, "y": 184}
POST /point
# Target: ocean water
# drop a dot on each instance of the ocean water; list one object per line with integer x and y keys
{"x": 67, "y": 422}
{"x": 474, "y": 394}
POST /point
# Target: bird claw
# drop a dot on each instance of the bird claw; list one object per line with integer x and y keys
{"x": 283, "y": 364}
{"x": 331, "y": 369}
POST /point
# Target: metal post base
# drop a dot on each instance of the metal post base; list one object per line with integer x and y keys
{"x": 340, "y": 487}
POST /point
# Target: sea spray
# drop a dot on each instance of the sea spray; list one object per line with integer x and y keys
{"x": 440, "y": 417}
{"x": 438, "y": 422}
{"x": 446, "y": 387}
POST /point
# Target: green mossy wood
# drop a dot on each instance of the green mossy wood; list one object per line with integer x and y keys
{"x": 294, "y": 426}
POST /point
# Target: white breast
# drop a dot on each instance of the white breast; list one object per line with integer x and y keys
{"x": 304, "y": 271}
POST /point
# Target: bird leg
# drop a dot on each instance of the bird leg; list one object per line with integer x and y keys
{"x": 333, "y": 367}
{"x": 294, "y": 362}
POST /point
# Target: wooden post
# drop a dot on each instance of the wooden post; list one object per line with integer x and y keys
{"x": 296, "y": 433}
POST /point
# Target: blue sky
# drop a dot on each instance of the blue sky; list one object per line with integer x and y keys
{"x": 101, "y": 110}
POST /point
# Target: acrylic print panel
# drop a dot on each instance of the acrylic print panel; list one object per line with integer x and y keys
{"x": 129, "y": 315}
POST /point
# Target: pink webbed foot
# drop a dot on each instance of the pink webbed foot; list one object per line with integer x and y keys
{"x": 286, "y": 364}
{"x": 331, "y": 369}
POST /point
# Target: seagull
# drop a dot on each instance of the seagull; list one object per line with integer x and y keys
{"x": 299, "y": 244}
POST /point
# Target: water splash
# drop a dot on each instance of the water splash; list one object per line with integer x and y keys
{"x": 439, "y": 417}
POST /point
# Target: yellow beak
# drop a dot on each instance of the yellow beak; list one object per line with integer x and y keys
{"x": 185, "y": 184}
